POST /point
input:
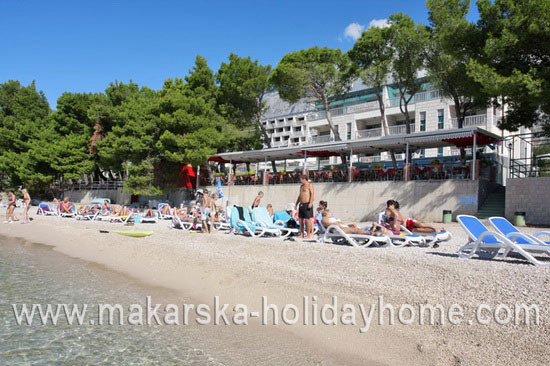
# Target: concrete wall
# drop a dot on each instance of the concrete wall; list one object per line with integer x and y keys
{"x": 362, "y": 201}
{"x": 119, "y": 196}
{"x": 529, "y": 195}
{"x": 116, "y": 196}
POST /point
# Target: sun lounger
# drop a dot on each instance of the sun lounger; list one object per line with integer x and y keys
{"x": 241, "y": 222}
{"x": 163, "y": 216}
{"x": 151, "y": 219}
{"x": 335, "y": 234}
{"x": 177, "y": 223}
{"x": 261, "y": 218}
{"x": 46, "y": 210}
{"x": 506, "y": 228}
{"x": 69, "y": 214}
{"x": 431, "y": 238}
{"x": 87, "y": 216}
{"x": 491, "y": 244}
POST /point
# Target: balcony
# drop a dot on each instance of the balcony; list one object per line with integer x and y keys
{"x": 399, "y": 130}
{"x": 471, "y": 121}
{"x": 321, "y": 139}
{"x": 373, "y": 105}
{"x": 371, "y": 132}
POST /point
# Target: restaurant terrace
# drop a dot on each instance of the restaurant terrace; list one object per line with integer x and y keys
{"x": 471, "y": 138}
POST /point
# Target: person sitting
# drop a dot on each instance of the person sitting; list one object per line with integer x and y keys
{"x": 166, "y": 209}
{"x": 329, "y": 220}
{"x": 269, "y": 208}
{"x": 257, "y": 200}
{"x": 148, "y": 212}
{"x": 106, "y": 208}
{"x": 66, "y": 206}
{"x": 182, "y": 213}
{"x": 323, "y": 205}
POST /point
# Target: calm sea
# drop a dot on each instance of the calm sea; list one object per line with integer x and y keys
{"x": 31, "y": 273}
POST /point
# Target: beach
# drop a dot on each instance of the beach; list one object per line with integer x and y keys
{"x": 241, "y": 270}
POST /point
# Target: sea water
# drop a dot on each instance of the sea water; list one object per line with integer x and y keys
{"x": 36, "y": 274}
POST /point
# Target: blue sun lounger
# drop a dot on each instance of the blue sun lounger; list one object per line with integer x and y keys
{"x": 491, "y": 244}
{"x": 506, "y": 228}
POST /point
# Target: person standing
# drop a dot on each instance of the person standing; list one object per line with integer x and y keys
{"x": 27, "y": 200}
{"x": 10, "y": 216}
{"x": 304, "y": 205}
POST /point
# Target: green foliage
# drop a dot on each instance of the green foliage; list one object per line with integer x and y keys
{"x": 243, "y": 84}
{"x": 514, "y": 60}
{"x": 408, "y": 40}
{"x": 315, "y": 73}
{"x": 318, "y": 73}
{"x": 373, "y": 54}
{"x": 148, "y": 133}
{"x": 453, "y": 41}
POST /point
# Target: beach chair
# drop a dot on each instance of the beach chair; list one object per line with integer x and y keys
{"x": 87, "y": 216}
{"x": 183, "y": 225}
{"x": 281, "y": 219}
{"x": 46, "y": 210}
{"x": 430, "y": 239}
{"x": 261, "y": 218}
{"x": 506, "y": 228}
{"x": 335, "y": 234}
{"x": 73, "y": 212}
{"x": 241, "y": 222}
{"x": 163, "y": 216}
{"x": 151, "y": 219}
{"x": 491, "y": 244}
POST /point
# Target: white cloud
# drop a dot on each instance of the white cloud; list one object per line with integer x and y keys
{"x": 354, "y": 31}
{"x": 379, "y": 23}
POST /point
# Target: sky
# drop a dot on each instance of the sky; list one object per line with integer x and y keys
{"x": 83, "y": 45}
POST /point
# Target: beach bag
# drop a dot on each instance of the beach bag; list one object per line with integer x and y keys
{"x": 292, "y": 224}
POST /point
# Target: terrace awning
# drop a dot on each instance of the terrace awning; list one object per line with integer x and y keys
{"x": 397, "y": 143}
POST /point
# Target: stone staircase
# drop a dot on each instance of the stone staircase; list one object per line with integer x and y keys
{"x": 493, "y": 205}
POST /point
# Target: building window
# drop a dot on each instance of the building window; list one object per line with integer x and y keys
{"x": 348, "y": 131}
{"x": 440, "y": 119}
{"x": 422, "y": 121}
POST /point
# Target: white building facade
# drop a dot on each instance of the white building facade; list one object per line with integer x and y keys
{"x": 357, "y": 115}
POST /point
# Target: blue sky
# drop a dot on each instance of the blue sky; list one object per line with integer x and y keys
{"x": 81, "y": 46}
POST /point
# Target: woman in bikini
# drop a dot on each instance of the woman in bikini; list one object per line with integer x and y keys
{"x": 10, "y": 216}
{"x": 27, "y": 200}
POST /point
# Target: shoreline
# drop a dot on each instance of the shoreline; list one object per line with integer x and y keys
{"x": 242, "y": 270}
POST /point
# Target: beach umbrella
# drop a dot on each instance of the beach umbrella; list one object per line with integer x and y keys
{"x": 219, "y": 188}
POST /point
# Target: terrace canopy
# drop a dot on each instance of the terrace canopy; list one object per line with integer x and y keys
{"x": 472, "y": 136}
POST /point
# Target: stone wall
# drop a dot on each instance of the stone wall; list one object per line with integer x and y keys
{"x": 362, "y": 201}
{"x": 529, "y": 195}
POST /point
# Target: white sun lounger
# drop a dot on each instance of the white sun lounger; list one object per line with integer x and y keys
{"x": 163, "y": 216}
{"x": 491, "y": 244}
{"x": 335, "y": 234}
{"x": 46, "y": 210}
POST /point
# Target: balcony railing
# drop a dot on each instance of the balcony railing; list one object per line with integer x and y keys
{"x": 371, "y": 132}
{"x": 320, "y": 139}
{"x": 363, "y": 107}
{"x": 399, "y": 130}
{"x": 471, "y": 121}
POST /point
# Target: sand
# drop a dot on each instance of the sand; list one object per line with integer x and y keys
{"x": 241, "y": 270}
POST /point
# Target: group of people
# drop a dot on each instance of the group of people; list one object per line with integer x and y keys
{"x": 12, "y": 205}
{"x": 205, "y": 211}
{"x": 389, "y": 222}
